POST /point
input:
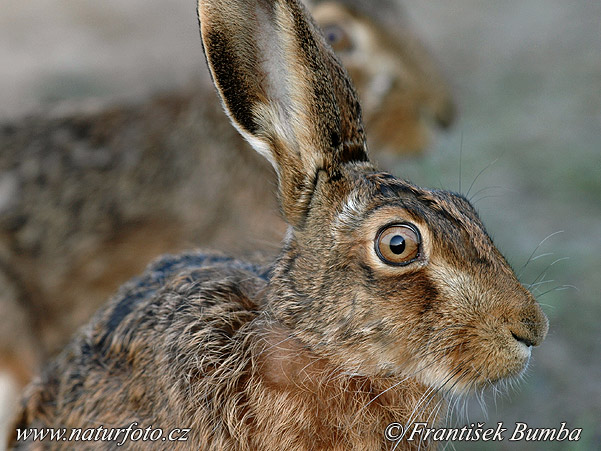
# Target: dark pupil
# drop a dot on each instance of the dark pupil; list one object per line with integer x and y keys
{"x": 397, "y": 244}
{"x": 333, "y": 36}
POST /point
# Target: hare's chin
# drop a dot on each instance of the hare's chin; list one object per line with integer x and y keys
{"x": 515, "y": 369}
{"x": 524, "y": 351}
{"x": 468, "y": 380}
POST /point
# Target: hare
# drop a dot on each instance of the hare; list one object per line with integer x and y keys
{"x": 89, "y": 194}
{"x": 400, "y": 89}
{"x": 385, "y": 299}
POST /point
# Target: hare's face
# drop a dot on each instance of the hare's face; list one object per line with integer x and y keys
{"x": 400, "y": 90}
{"x": 406, "y": 282}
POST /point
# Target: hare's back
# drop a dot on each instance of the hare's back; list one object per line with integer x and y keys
{"x": 136, "y": 359}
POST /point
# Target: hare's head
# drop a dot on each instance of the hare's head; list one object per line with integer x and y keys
{"x": 378, "y": 275}
{"x": 402, "y": 92}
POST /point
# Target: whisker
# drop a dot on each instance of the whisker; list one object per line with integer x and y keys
{"x": 544, "y": 272}
{"x": 478, "y": 176}
{"x": 394, "y": 386}
{"x": 546, "y": 254}
{"x": 534, "y": 251}
{"x": 559, "y": 288}
{"x": 435, "y": 392}
{"x": 546, "y": 305}
{"x": 490, "y": 196}
{"x": 486, "y": 188}
{"x": 538, "y": 284}
{"x": 433, "y": 414}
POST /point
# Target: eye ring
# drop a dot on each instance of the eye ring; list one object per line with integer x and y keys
{"x": 398, "y": 244}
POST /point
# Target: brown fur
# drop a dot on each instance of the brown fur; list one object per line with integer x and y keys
{"x": 82, "y": 225}
{"x": 326, "y": 346}
{"x": 89, "y": 194}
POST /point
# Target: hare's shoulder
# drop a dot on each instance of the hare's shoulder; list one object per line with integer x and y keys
{"x": 178, "y": 321}
{"x": 177, "y": 294}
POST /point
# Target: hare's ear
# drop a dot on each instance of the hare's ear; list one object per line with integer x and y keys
{"x": 284, "y": 90}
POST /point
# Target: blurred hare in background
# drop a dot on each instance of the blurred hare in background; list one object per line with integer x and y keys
{"x": 385, "y": 302}
{"x": 90, "y": 193}
{"x": 402, "y": 93}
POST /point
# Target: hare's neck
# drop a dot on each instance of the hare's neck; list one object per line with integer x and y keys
{"x": 312, "y": 394}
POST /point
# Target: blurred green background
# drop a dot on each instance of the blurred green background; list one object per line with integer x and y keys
{"x": 527, "y": 147}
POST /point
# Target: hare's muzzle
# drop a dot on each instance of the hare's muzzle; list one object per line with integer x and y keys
{"x": 520, "y": 325}
{"x": 491, "y": 325}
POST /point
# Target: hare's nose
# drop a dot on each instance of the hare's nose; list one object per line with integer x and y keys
{"x": 533, "y": 327}
{"x": 522, "y": 339}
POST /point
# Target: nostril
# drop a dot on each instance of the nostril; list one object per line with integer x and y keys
{"x": 524, "y": 340}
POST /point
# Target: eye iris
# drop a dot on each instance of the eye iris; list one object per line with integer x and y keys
{"x": 397, "y": 244}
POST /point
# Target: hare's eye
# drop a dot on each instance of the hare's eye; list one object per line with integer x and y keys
{"x": 337, "y": 38}
{"x": 398, "y": 244}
